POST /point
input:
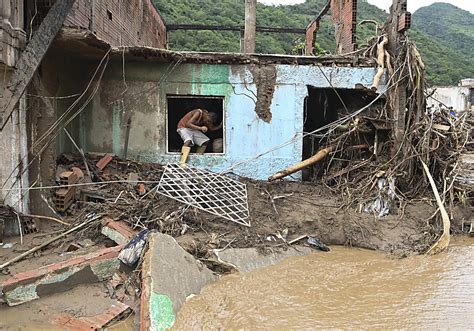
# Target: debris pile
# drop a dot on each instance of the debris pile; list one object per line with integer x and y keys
{"x": 101, "y": 231}
{"x": 372, "y": 157}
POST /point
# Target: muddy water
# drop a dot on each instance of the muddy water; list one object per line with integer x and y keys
{"x": 346, "y": 288}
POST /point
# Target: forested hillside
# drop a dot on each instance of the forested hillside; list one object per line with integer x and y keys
{"x": 438, "y": 51}
{"x": 445, "y": 36}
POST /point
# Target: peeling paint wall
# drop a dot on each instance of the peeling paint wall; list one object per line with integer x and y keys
{"x": 264, "y": 78}
{"x": 248, "y": 131}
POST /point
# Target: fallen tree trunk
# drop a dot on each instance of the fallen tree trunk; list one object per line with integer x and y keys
{"x": 320, "y": 155}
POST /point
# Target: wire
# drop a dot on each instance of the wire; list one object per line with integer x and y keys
{"x": 165, "y": 75}
{"x": 80, "y": 184}
{"x": 331, "y": 126}
{"x": 55, "y": 135}
{"x": 337, "y": 93}
{"x": 32, "y": 20}
{"x": 49, "y": 131}
{"x": 48, "y": 97}
{"x": 58, "y": 121}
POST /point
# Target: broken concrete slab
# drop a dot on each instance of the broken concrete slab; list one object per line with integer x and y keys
{"x": 59, "y": 277}
{"x": 118, "y": 231}
{"x": 169, "y": 276}
{"x": 97, "y": 322}
{"x": 248, "y": 259}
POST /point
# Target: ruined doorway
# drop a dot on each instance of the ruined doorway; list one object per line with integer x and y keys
{"x": 179, "y": 105}
{"x": 323, "y": 106}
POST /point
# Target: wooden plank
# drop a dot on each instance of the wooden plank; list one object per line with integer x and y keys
{"x": 32, "y": 56}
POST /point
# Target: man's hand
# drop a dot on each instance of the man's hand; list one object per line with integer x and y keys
{"x": 204, "y": 129}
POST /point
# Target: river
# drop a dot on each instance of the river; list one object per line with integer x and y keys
{"x": 345, "y": 288}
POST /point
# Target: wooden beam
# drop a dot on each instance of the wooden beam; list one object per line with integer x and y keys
{"x": 32, "y": 56}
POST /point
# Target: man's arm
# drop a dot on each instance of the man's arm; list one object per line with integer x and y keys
{"x": 190, "y": 124}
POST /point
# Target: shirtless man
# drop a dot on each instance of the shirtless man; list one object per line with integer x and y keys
{"x": 192, "y": 127}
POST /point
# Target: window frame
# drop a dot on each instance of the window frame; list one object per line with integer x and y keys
{"x": 197, "y": 96}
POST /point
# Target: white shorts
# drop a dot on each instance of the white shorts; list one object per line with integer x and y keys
{"x": 197, "y": 137}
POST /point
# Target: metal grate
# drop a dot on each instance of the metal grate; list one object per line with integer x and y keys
{"x": 216, "y": 194}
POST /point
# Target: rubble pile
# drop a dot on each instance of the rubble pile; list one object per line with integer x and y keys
{"x": 374, "y": 161}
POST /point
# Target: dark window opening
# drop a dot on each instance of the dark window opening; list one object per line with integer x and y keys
{"x": 109, "y": 14}
{"x": 323, "y": 106}
{"x": 179, "y": 105}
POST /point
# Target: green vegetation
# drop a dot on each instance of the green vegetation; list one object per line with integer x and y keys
{"x": 446, "y": 43}
{"x": 445, "y": 37}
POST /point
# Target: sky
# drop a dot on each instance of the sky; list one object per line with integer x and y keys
{"x": 385, "y": 4}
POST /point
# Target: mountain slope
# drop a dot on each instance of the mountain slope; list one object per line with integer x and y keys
{"x": 231, "y": 12}
{"x": 447, "y": 24}
{"x": 445, "y": 41}
{"x": 445, "y": 36}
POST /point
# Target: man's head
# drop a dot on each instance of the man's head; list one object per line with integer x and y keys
{"x": 213, "y": 118}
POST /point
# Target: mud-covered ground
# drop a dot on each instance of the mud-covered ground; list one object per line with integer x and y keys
{"x": 279, "y": 213}
{"x": 298, "y": 209}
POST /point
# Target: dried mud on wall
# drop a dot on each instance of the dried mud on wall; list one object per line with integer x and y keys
{"x": 265, "y": 79}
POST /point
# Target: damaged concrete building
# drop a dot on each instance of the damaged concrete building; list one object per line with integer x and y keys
{"x": 108, "y": 79}
{"x": 91, "y": 91}
{"x": 460, "y": 97}
{"x": 48, "y": 68}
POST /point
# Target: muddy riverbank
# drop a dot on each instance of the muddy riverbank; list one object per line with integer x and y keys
{"x": 343, "y": 289}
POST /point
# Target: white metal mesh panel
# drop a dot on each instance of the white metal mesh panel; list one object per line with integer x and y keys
{"x": 205, "y": 190}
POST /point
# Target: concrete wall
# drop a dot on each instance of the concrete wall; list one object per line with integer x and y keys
{"x": 248, "y": 131}
{"x": 120, "y": 22}
{"x": 12, "y": 36}
{"x": 457, "y": 97}
{"x": 13, "y": 147}
{"x": 13, "y": 138}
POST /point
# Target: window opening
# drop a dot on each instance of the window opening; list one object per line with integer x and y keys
{"x": 323, "y": 106}
{"x": 180, "y": 105}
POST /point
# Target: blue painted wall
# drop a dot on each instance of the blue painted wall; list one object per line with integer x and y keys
{"x": 246, "y": 136}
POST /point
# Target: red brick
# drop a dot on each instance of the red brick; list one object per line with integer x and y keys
{"x": 32, "y": 275}
{"x": 311, "y": 36}
{"x": 69, "y": 322}
{"x": 103, "y": 162}
{"x": 404, "y": 22}
{"x": 123, "y": 230}
{"x": 133, "y": 22}
{"x": 344, "y": 15}
{"x": 68, "y": 178}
